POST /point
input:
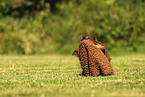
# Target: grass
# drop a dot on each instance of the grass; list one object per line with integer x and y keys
{"x": 58, "y": 76}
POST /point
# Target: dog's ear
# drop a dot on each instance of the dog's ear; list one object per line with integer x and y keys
{"x": 76, "y": 52}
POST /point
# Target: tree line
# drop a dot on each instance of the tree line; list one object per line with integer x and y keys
{"x": 56, "y": 26}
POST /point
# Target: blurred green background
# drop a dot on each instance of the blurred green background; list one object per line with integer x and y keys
{"x": 56, "y": 26}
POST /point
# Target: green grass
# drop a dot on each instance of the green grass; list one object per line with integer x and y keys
{"x": 58, "y": 75}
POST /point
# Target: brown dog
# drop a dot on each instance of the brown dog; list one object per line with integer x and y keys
{"x": 92, "y": 59}
{"x": 98, "y": 45}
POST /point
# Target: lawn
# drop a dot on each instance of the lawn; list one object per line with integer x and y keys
{"x": 58, "y": 76}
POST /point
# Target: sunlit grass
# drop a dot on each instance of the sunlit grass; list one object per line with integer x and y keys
{"x": 58, "y": 75}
